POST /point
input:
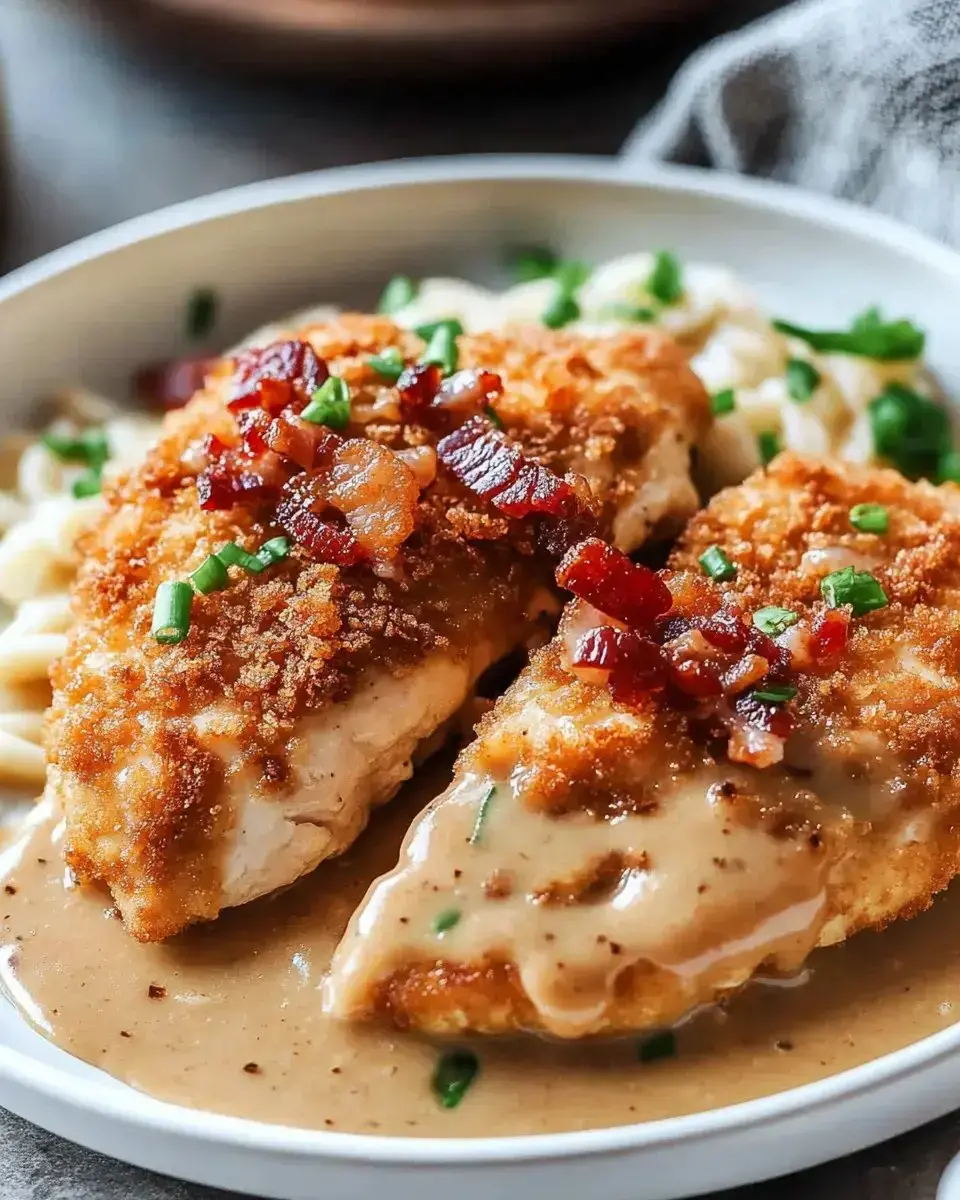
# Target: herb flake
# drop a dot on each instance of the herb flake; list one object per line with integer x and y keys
{"x": 482, "y": 815}
{"x": 453, "y": 1077}
{"x": 803, "y": 379}
{"x": 869, "y": 336}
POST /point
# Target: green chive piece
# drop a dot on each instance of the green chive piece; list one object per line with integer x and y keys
{"x": 571, "y": 274}
{"x": 330, "y": 404}
{"x": 773, "y": 620}
{"x": 210, "y": 576}
{"x": 273, "y": 551}
{"x": 776, "y": 693}
{"x": 482, "y": 815}
{"x": 870, "y": 518}
{"x": 90, "y": 446}
{"x": 90, "y": 483}
{"x": 909, "y": 430}
{"x": 399, "y": 292}
{"x": 803, "y": 379}
{"x": 446, "y": 920}
{"x": 661, "y": 1045}
{"x": 869, "y": 336}
{"x": 561, "y": 310}
{"x": 388, "y": 365}
{"x": 948, "y": 469}
{"x": 442, "y": 349}
{"x": 856, "y": 588}
{"x": 638, "y": 314}
{"x": 768, "y": 446}
{"x": 427, "y": 331}
{"x": 717, "y": 565}
{"x": 453, "y": 1077}
{"x": 201, "y": 313}
{"x": 491, "y": 414}
{"x": 233, "y": 555}
{"x": 171, "y": 613}
{"x": 665, "y": 281}
{"x": 723, "y": 402}
{"x": 533, "y": 262}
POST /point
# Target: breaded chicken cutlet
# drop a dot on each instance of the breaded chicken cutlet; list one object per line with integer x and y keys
{"x": 365, "y": 542}
{"x": 705, "y": 773}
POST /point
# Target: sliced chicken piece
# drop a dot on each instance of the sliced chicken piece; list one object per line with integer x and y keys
{"x": 203, "y": 774}
{"x": 658, "y": 808}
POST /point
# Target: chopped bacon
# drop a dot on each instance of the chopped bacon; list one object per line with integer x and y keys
{"x": 417, "y": 387}
{"x": 170, "y": 385}
{"x": 276, "y": 376}
{"x": 640, "y": 668}
{"x": 225, "y": 483}
{"x": 762, "y": 714}
{"x": 321, "y": 539}
{"x": 467, "y": 393}
{"x": 831, "y": 632}
{"x": 253, "y": 424}
{"x": 300, "y": 441}
{"x": 608, "y": 580}
{"x": 695, "y": 679}
{"x": 422, "y": 461}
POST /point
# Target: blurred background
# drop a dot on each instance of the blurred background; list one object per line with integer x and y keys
{"x": 116, "y": 107}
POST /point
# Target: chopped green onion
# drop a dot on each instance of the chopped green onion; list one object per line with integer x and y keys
{"x": 768, "y": 446}
{"x": 491, "y": 414}
{"x": 427, "y": 331}
{"x": 442, "y": 349}
{"x": 776, "y": 693}
{"x": 210, "y": 576}
{"x": 856, "y": 588}
{"x": 773, "y": 620}
{"x": 388, "y": 365}
{"x": 446, "y": 920}
{"x": 201, "y": 313}
{"x": 453, "y": 1077}
{"x": 869, "y": 518}
{"x": 909, "y": 430}
{"x": 273, "y": 551}
{"x": 665, "y": 281}
{"x": 868, "y": 337}
{"x": 948, "y": 469}
{"x": 561, "y": 310}
{"x": 482, "y": 815}
{"x": 571, "y": 274}
{"x": 723, "y": 402}
{"x": 90, "y": 446}
{"x": 90, "y": 483}
{"x": 233, "y": 555}
{"x": 330, "y": 404}
{"x": 171, "y": 613}
{"x": 533, "y": 262}
{"x": 661, "y": 1045}
{"x": 399, "y": 292}
{"x": 803, "y": 379}
{"x": 717, "y": 565}
{"x": 638, "y": 313}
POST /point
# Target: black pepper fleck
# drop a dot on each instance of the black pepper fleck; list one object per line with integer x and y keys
{"x": 156, "y": 992}
{"x": 252, "y": 1068}
{"x": 9, "y": 889}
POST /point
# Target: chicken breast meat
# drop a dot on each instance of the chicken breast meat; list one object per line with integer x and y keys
{"x": 666, "y": 803}
{"x": 202, "y": 774}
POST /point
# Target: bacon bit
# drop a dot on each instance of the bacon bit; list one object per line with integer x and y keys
{"x": 695, "y": 679}
{"x": 831, "y": 632}
{"x": 762, "y": 715}
{"x": 170, "y": 385}
{"x": 417, "y": 387}
{"x": 467, "y": 393}
{"x": 300, "y": 441}
{"x": 253, "y": 425}
{"x": 608, "y": 580}
{"x": 746, "y": 672}
{"x": 640, "y": 668}
{"x": 323, "y": 541}
{"x": 276, "y": 376}
{"x": 422, "y": 461}
{"x": 755, "y": 747}
{"x": 595, "y": 655}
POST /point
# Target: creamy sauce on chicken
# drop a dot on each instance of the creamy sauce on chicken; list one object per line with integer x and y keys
{"x": 227, "y": 1017}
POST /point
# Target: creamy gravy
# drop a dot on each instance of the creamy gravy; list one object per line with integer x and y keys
{"x": 227, "y": 1017}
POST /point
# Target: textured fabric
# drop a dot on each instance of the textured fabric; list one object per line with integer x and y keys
{"x": 858, "y": 98}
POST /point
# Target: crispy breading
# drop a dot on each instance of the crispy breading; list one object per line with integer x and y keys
{"x": 720, "y": 868}
{"x": 165, "y": 755}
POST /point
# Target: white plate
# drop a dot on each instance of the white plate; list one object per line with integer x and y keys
{"x": 98, "y": 309}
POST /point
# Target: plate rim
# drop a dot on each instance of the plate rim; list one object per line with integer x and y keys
{"x": 198, "y": 1126}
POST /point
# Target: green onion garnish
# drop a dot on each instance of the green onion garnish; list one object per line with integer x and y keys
{"x": 803, "y": 379}
{"x": 909, "y": 430}
{"x": 856, "y": 588}
{"x": 446, "y": 920}
{"x": 571, "y": 274}
{"x": 201, "y": 313}
{"x": 717, "y": 565}
{"x": 533, "y": 262}
{"x": 90, "y": 483}
{"x": 453, "y": 1076}
{"x": 665, "y": 281}
{"x": 171, "y": 613}
{"x": 388, "y": 365}
{"x": 637, "y": 313}
{"x": 776, "y": 693}
{"x": 233, "y": 555}
{"x": 273, "y": 551}
{"x": 398, "y": 293}
{"x": 869, "y": 337}
{"x": 948, "y": 469}
{"x": 723, "y": 402}
{"x": 768, "y": 446}
{"x": 90, "y": 446}
{"x": 210, "y": 576}
{"x": 561, "y": 310}
{"x": 442, "y": 349}
{"x": 330, "y": 404}
{"x": 491, "y": 414}
{"x": 661, "y": 1045}
{"x": 482, "y": 814}
{"x": 773, "y": 620}
{"x": 427, "y": 331}
{"x": 870, "y": 518}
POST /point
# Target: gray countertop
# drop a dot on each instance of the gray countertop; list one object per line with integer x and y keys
{"x": 100, "y": 131}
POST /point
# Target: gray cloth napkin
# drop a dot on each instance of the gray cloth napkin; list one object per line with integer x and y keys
{"x": 858, "y": 98}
